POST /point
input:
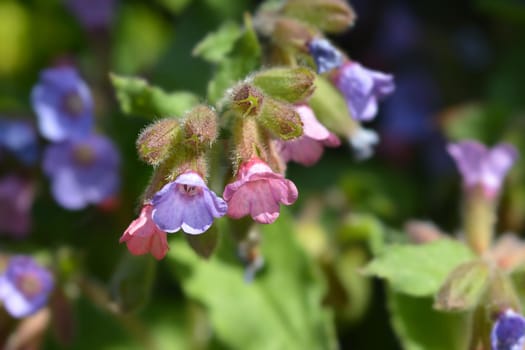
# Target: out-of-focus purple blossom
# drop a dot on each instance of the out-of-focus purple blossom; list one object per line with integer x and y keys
{"x": 20, "y": 139}
{"x": 258, "y": 192}
{"x": 187, "y": 203}
{"x": 63, "y": 104}
{"x": 483, "y": 167}
{"x": 93, "y": 14}
{"x": 308, "y": 148}
{"x": 325, "y": 55}
{"x": 16, "y": 200}
{"x": 508, "y": 332}
{"x": 82, "y": 172}
{"x": 362, "y": 88}
{"x": 25, "y": 286}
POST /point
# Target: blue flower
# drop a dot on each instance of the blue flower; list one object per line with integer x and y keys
{"x": 25, "y": 286}
{"x": 63, "y": 104}
{"x": 92, "y": 14}
{"x": 325, "y": 55}
{"x": 82, "y": 172}
{"x": 19, "y": 138}
{"x": 508, "y": 332}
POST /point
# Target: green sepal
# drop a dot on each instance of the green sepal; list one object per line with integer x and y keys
{"x": 288, "y": 84}
{"x": 155, "y": 141}
{"x": 332, "y": 16}
{"x": 280, "y": 119}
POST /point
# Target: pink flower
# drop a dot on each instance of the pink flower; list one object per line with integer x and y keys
{"x": 308, "y": 148}
{"x": 258, "y": 192}
{"x": 143, "y": 236}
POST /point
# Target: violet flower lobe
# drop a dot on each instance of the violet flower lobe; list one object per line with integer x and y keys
{"x": 19, "y": 138}
{"x": 508, "y": 332}
{"x": 82, "y": 172}
{"x": 187, "y": 203}
{"x": 63, "y": 104}
{"x": 93, "y": 14}
{"x": 143, "y": 236}
{"x": 16, "y": 200}
{"x": 362, "y": 88}
{"x": 483, "y": 167}
{"x": 325, "y": 55}
{"x": 258, "y": 191}
{"x": 308, "y": 148}
{"x": 25, "y": 286}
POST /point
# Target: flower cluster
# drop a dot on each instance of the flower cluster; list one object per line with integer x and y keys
{"x": 25, "y": 286}
{"x": 82, "y": 165}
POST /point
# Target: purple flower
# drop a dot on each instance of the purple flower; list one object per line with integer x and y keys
{"x": 16, "y": 199}
{"x": 25, "y": 286}
{"x": 92, "y": 14}
{"x": 82, "y": 172}
{"x": 508, "y": 332}
{"x": 362, "y": 88}
{"x": 483, "y": 167}
{"x": 363, "y": 142}
{"x": 19, "y": 138}
{"x": 63, "y": 104}
{"x": 188, "y": 203}
{"x": 308, "y": 148}
{"x": 325, "y": 55}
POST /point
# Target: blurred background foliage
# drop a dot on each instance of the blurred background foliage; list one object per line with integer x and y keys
{"x": 459, "y": 73}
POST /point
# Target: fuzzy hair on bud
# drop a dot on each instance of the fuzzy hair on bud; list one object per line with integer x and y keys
{"x": 287, "y": 84}
{"x": 247, "y": 100}
{"x": 200, "y": 126}
{"x": 155, "y": 141}
{"x": 281, "y": 119}
{"x": 332, "y": 16}
{"x": 292, "y": 32}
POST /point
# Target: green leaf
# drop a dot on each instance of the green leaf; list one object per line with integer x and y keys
{"x": 419, "y": 270}
{"x": 242, "y": 60}
{"x": 215, "y": 46}
{"x": 464, "y": 287}
{"x": 420, "y": 327}
{"x": 175, "y": 6}
{"x": 359, "y": 227}
{"x": 137, "y": 97}
{"x": 280, "y": 309}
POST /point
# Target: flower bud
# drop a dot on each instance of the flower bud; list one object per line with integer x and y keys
{"x": 281, "y": 119}
{"x": 154, "y": 142}
{"x": 330, "y": 16}
{"x": 247, "y": 100}
{"x": 292, "y": 32}
{"x": 200, "y": 126}
{"x": 288, "y": 84}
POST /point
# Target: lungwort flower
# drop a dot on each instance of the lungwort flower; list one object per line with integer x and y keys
{"x": 82, "y": 172}
{"x": 143, "y": 236}
{"x": 308, "y": 148}
{"x": 16, "y": 200}
{"x": 187, "y": 203}
{"x": 325, "y": 55}
{"x": 483, "y": 167}
{"x": 362, "y": 88}
{"x": 19, "y": 138}
{"x": 508, "y": 332}
{"x": 258, "y": 191}
{"x": 63, "y": 104}
{"x": 93, "y": 14}
{"x": 25, "y": 286}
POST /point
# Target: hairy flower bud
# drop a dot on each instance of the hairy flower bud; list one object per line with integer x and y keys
{"x": 154, "y": 142}
{"x": 331, "y": 16}
{"x": 281, "y": 119}
{"x": 288, "y": 84}
{"x": 291, "y": 32}
{"x": 247, "y": 100}
{"x": 200, "y": 126}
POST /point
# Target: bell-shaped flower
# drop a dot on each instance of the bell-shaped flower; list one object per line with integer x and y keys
{"x": 143, "y": 236}
{"x": 258, "y": 191}
{"x": 187, "y": 203}
{"x": 508, "y": 332}
{"x": 19, "y": 138}
{"x": 483, "y": 167}
{"x": 63, "y": 104}
{"x": 362, "y": 88}
{"x": 16, "y": 200}
{"x": 25, "y": 286}
{"x": 308, "y": 148}
{"x": 82, "y": 172}
{"x": 325, "y": 55}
